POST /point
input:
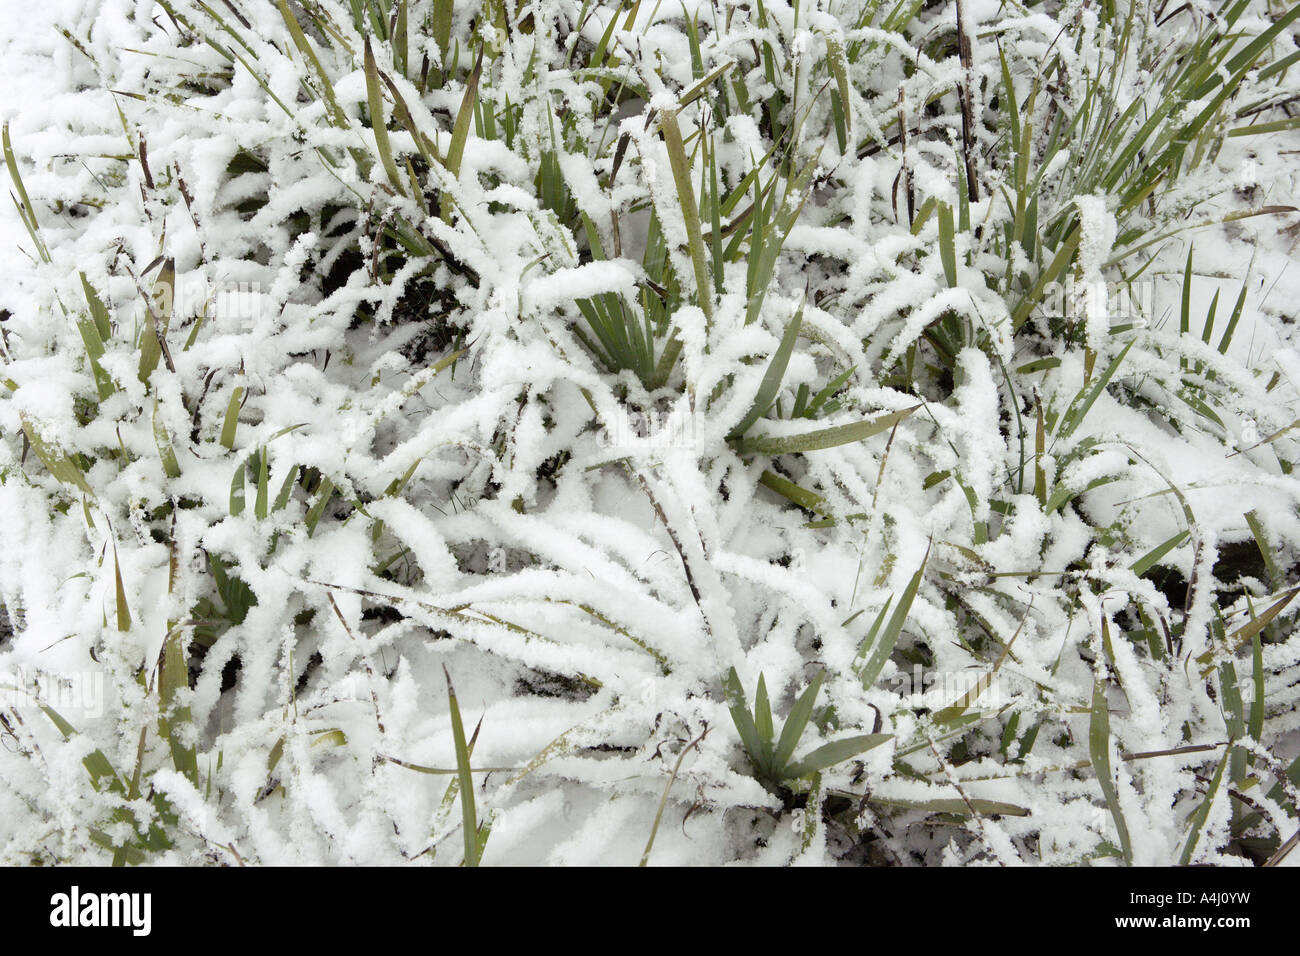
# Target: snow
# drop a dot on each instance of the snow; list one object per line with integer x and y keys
{"x": 588, "y": 554}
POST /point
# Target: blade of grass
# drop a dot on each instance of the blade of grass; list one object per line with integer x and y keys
{"x": 158, "y": 314}
{"x": 1099, "y": 750}
{"x": 173, "y": 677}
{"x": 123, "y": 612}
{"x": 883, "y": 644}
{"x": 460, "y": 129}
{"x": 465, "y": 778}
{"x": 166, "y": 453}
{"x": 773, "y": 377}
{"x": 26, "y": 212}
{"x": 677, "y": 160}
{"x": 1145, "y": 563}
{"x": 763, "y": 714}
{"x": 231, "y": 422}
{"x": 375, "y": 102}
{"x": 947, "y": 245}
{"x": 820, "y": 438}
{"x": 1202, "y": 812}
{"x": 837, "y": 751}
{"x": 746, "y": 727}
{"x": 795, "y": 723}
{"x": 94, "y": 332}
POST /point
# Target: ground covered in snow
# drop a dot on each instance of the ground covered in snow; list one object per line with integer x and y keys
{"x": 566, "y": 431}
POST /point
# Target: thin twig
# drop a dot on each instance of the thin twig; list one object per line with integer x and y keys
{"x": 365, "y": 659}
{"x": 967, "y": 105}
{"x": 663, "y": 801}
{"x": 1283, "y": 850}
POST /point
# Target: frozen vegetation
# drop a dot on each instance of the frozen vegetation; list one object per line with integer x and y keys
{"x": 801, "y": 431}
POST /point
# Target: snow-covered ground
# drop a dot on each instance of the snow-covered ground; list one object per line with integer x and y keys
{"x": 307, "y": 419}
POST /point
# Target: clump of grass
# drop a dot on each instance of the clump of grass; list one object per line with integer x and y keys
{"x": 484, "y": 235}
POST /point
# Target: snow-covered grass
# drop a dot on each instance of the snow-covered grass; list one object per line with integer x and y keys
{"x": 801, "y": 432}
